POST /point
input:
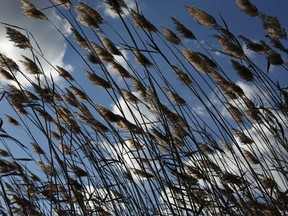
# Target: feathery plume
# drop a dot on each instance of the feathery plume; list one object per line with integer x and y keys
{"x": 141, "y": 59}
{"x": 116, "y": 5}
{"x": 250, "y": 157}
{"x": 171, "y": 36}
{"x": 30, "y": 10}
{"x": 65, "y": 3}
{"x": 7, "y": 75}
{"x": 273, "y": 27}
{"x": 248, "y": 8}
{"x": 78, "y": 171}
{"x": 121, "y": 70}
{"x": 79, "y": 93}
{"x": 274, "y": 58}
{"x": 30, "y": 66}
{"x": 37, "y": 149}
{"x": 88, "y": 16}
{"x": 80, "y": 40}
{"x": 18, "y": 38}
{"x": 182, "y": 76}
{"x": 142, "y": 173}
{"x": 251, "y": 45}
{"x": 98, "y": 80}
{"x": 141, "y": 22}
{"x": 202, "y": 17}
{"x": 102, "y": 53}
{"x": 205, "y": 148}
{"x": 201, "y": 62}
{"x": 244, "y": 72}
{"x": 242, "y": 137}
{"x": 176, "y": 98}
{"x": 4, "y": 153}
{"x": 183, "y": 30}
{"x": 110, "y": 46}
{"x": 92, "y": 58}
{"x": 64, "y": 73}
{"x": 129, "y": 96}
{"x": 108, "y": 115}
{"x": 230, "y": 47}
{"x": 235, "y": 112}
{"x": 12, "y": 120}
{"x": 8, "y": 63}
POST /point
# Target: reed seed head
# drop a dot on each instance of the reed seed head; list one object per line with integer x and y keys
{"x": 171, "y": 36}
{"x": 30, "y": 10}
{"x": 248, "y": 8}
{"x": 202, "y": 17}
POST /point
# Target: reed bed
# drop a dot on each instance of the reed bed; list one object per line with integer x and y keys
{"x": 151, "y": 152}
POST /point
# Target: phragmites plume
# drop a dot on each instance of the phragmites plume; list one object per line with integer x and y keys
{"x": 186, "y": 33}
{"x": 129, "y": 96}
{"x": 79, "y": 93}
{"x": 201, "y": 62}
{"x": 64, "y": 73}
{"x": 176, "y": 98}
{"x": 273, "y": 27}
{"x": 171, "y": 36}
{"x": 8, "y": 63}
{"x": 116, "y": 6}
{"x": 108, "y": 115}
{"x": 243, "y": 138}
{"x": 30, "y": 10}
{"x": 89, "y": 16}
{"x": 142, "y": 173}
{"x": 7, "y": 75}
{"x": 235, "y": 112}
{"x": 97, "y": 80}
{"x": 205, "y": 148}
{"x": 141, "y": 22}
{"x": 248, "y": 8}
{"x": 182, "y": 76}
{"x": 274, "y": 58}
{"x": 252, "y": 158}
{"x": 65, "y": 3}
{"x": 109, "y": 45}
{"x": 244, "y": 72}
{"x": 30, "y": 66}
{"x": 102, "y": 53}
{"x": 229, "y": 46}
{"x": 254, "y": 46}
{"x": 202, "y": 17}
{"x": 12, "y": 120}
{"x": 80, "y": 40}
{"x": 141, "y": 59}
{"x": 121, "y": 70}
{"x": 37, "y": 149}
{"x": 45, "y": 115}
{"x": 18, "y": 38}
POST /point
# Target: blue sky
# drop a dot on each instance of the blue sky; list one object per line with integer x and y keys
{"x": 58, "y": 52}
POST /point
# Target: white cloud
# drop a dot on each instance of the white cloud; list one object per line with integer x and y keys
{"x": 52, "y": 44}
